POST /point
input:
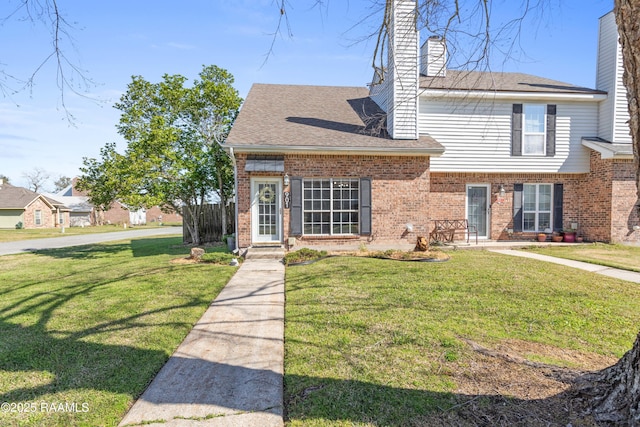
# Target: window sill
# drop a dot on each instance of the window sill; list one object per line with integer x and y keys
{"x": 330, "y": 237}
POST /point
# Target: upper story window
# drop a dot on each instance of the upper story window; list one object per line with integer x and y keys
{"x": 533, "y": 135}
{"x": 533, "y": 130}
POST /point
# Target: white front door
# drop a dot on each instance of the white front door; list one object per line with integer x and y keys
{"x": 266, "y": 208}
{"x": 478, "y": 208}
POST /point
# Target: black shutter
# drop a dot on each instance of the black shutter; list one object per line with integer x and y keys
{"x": 516, "y": 130}
{"x": 365, "y": 206}
{"x": 517, "y": 206}
{"x": 551, "y": 130}
{"x": 295, "y": 219}
{"x": 557, "y": 207}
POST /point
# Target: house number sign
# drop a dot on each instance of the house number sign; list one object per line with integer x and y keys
{"x": 287, "y": 199}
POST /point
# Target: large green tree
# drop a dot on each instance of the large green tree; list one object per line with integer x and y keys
{"x": 173, "y": 156}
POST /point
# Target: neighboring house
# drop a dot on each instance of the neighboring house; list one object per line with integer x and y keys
{"x": 80, "y": 210}
{"x": 83, "y": 212}
{"x": 514, "y": 154}
{"x": 24, "y": 208}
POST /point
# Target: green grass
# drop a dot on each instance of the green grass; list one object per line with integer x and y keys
{"x": 616, "y": 256}
{"x": 12, "y": 235}
{"x": 94, "y": 324}
{"x": 376, "y": 342}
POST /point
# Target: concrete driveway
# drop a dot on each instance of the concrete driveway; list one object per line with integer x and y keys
{"x": 20, "y": 246}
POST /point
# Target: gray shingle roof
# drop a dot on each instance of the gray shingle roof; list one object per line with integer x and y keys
{"x": 12, "y": 197}
{"x": 317, "y": 118}
{"x": 501, "y": 82}
{"x": 15, "y": 197}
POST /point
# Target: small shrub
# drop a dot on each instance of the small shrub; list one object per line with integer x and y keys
{"x": 304, "y": 254}
{"x": 19, "y": 225}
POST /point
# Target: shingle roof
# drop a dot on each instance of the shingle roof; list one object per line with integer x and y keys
{"x": 15, "y": 197}
{"x": 317, "y": 118}
{"x": 12, "y": 197}
{"x": 501, "y": 82}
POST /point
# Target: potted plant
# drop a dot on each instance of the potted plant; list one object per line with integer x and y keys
{"x": 542, "y": 237}
{"x": 556, "y": 237}
{"x": 569, "y": 235}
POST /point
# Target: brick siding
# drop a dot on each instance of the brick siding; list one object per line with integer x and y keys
{"x": 601, "y": 202}
{"x": 399, "y": 194}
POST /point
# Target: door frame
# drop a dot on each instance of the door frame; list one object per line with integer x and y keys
{"x": 254, "y": 209}
{"x": 487, "y": 187}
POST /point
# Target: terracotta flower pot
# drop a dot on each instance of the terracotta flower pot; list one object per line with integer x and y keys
{"x": 542, "y": 237}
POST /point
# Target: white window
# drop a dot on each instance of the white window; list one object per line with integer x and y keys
{"x": 533, "y": 135}
{"x": 330, "y": 206}
{"x": 536, "y": 207}
{"x": 38, "y": 217}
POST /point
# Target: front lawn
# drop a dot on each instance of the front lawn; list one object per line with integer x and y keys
{"x": 617, "y": 256}
{"x": 379, "y": 342}
{"x": 88, "y": 327}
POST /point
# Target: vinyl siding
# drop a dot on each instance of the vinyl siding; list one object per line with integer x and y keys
{"x": 402, "y": 72}
{"x": 614, "y": 112}
{"x": 10, "y": 217}
{"x": 477, "y": 136}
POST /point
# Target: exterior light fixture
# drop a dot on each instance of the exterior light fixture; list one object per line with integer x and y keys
{"x": 502, "y": 190}
{"x": 409, "y": 228}
{"x": 286, "y": 180}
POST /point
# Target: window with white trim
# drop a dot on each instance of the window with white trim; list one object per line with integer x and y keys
{"x": 534, "y": 131}
{"x": 37, "y": 217}
{"x": 537, "y": 203}
{"x": 331, "y": 206}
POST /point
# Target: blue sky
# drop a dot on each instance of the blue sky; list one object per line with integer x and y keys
{"x": 116, "y": 39}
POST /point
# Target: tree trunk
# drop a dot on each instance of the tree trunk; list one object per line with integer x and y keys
{"x": 627, "y": 14}
{"x": 614, "y": 393}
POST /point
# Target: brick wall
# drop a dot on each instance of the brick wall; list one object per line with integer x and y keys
{"x": 400, "y": 194}
{"x": 155, "y": 213}
{"x": 48, "y": 219}
{"x": 623, "y": 203}
{"x": 448, "y": 198}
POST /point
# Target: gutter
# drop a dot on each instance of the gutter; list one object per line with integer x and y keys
{"x": 235, "y": 195}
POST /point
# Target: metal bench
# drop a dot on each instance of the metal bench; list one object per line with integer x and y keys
{"x": 444, "y": 230}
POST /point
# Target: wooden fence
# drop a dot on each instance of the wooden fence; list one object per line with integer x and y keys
{"x": 210, "y": 223}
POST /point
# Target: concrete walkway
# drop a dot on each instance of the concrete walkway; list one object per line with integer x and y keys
{"x": 630, "y": 276}
{"x": 229, "y": 370}
{"x": 9, "y": 248}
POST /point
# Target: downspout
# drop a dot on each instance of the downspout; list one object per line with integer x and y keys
{"x": 235, "y": 195}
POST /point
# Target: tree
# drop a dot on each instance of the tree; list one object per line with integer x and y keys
{"x": 36, "y": 178}
{"x": 173, "y": 158}
{"x": 614, "y": 393}
{"x": 61, "y": 183}
{"x": 4, "y": 178}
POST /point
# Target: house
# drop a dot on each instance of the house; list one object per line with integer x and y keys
{"x": 22, "y": 208}
{"x": 83, "y": 212}
{"x": 514, "y": 154}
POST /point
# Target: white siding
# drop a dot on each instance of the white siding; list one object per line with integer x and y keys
{"x": 476, "y": 135}
{"x": 614, "y": 112}
{"x": 402, "y": 72}
{"x": 433, "y": 57}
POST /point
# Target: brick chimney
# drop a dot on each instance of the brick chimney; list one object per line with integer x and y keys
{"x": 397, "y": 93}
